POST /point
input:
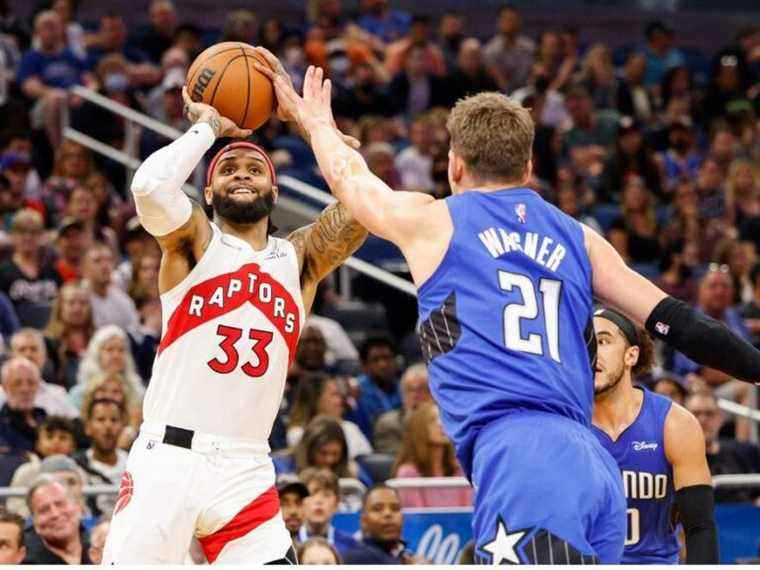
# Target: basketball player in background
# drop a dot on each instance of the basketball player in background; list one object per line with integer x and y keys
{"x": 659, "y": 448}
{"x": 505, "y": 285}
{"x": 234, "y": 300}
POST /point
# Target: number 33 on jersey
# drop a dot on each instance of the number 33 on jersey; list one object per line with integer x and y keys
{"x": 230, "y": 333}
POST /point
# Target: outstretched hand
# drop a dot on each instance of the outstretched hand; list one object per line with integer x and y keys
{"x": 202, "y": 113}
{"x": 315, "y": 105}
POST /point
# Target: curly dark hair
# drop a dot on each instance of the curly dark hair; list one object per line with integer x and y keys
{"x": 646, "y": 353}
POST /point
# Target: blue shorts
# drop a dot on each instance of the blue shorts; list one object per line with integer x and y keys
{"x": 546, "y": 492}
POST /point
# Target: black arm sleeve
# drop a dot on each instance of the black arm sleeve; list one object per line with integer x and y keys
{"x": 704, "y": 340}
{"x": 696, "y": 506}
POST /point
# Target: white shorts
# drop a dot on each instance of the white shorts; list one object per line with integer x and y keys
{"x": 220, "y": 491}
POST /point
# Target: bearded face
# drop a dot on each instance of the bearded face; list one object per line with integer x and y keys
{"x": 241, "y": 189}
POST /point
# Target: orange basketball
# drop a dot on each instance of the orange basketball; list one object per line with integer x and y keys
{"x": 224, "y": 77}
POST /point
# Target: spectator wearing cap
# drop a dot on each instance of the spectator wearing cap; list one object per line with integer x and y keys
{"x": 47, "y": 71}
{"x": 12, "y": 549}
{"x": 110, "y": 305}
{"x": 111, "y": 38}
{"x": 631, "y": 157}
{"x": 380, "y": 20}
{"x": 469, "y": 75}
{"x": 56, "y": 536}
{"x": 715, "y": 299}
{"x": 381, "y": 524}
{"x": 633, "y": 98}
{"x": 27, "y": 279}
{"x": 30, "y": 343}
{"x": 319, "y": 508}
{"x": 19, "y": 417}
{"x": 660, "y": 53}
{"x": 509, "y": 53}
{"x": 155, "y": 37}
{"x": 710, "y": 189}
{"x": 136, "y": 241}
{"x": 72, "y": 240}
{"x": 672, "y": 386}
{"x": 292, "y": 493}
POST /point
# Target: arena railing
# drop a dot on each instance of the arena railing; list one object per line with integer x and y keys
{"x": 129, "y": 158}
{"x": 353, "y": 486}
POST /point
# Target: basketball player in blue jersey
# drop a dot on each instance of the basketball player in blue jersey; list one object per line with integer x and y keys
{"x": 505, "y": 284}
{"x": 659, "y": 448}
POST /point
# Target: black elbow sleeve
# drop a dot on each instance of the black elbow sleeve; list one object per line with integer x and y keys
{"x": 696, "y": 506}
{"x": 704, "y": 340}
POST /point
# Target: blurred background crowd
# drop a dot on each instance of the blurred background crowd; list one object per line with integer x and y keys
{"x": 655, "y": 144}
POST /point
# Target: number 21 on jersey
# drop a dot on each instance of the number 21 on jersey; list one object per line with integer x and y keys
{"x": 515, "y": 313}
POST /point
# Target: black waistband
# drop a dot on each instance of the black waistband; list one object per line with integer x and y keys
{"x": 179, "y": 437}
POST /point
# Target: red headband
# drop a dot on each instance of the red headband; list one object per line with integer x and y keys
{"x": 233, "y": 146}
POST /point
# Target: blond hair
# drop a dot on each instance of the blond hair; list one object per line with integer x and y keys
{"x": 493, "y": 135}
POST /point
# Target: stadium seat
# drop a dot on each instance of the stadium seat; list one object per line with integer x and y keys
{"x": 377, "y": 465}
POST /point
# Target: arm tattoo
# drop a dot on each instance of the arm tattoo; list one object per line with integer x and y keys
{"x": 214, "y": 122}
{"x": 327, "y": 243}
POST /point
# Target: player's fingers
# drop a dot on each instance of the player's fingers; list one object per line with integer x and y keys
{"x": 326, "y": 92}
{"x": 269, "y": 57}
{"x": 186, "y": 95}
{"x": 308, "y": 82}
{"x": 318, "y": 81}
{"x": 351, "y": 141}
{"x": 265, "y": 70}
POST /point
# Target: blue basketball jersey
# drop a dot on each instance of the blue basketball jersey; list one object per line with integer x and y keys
{"x": 648, "y": 482}
{"x": 505, "y": 320}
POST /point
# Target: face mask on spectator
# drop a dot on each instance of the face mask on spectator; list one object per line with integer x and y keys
{"x": 116, "y": 82}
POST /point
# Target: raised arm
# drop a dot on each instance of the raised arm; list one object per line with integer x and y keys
{"x": 181, "y": 229}
{"x": 391, "y": 215}
{"x": 704, "y": 340}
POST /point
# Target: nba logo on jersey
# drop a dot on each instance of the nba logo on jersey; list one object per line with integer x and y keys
{"x": 522, "y": 212}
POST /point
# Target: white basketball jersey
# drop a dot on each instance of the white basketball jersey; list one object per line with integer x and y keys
{"x": 230, "y": 331}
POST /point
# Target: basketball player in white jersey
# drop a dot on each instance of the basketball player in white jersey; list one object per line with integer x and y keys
{"x": 234, "y": 300}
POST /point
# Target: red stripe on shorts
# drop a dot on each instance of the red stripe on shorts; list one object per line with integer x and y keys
{"x": 253, "y": 515}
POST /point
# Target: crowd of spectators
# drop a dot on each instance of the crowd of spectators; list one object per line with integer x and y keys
{"x": 652, "y": 144}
